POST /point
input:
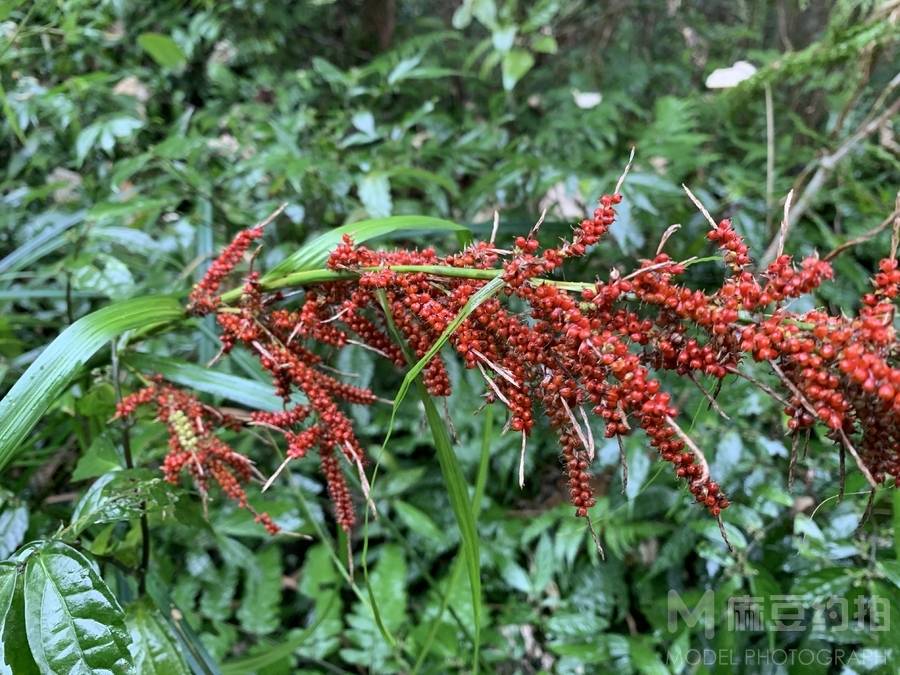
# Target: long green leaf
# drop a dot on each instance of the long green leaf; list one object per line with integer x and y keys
{"x": 487, "y": 433}
{"x": 73, "y": 621}
{"x": 451, "y": 471}
{"x": 53, "y": 370}
{"x": 315, "y": 253}
{"x": 251, "y": 393}
{"x": 459, "y": 501}
{"x": 50, "y": 227}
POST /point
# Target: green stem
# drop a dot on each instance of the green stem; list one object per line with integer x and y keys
{"x": 326, "y": 275}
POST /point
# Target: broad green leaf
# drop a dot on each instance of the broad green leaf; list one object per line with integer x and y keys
{"x": 516, "y": 63}
{"x": 645, "y": 658}
{"x": 315, "y": 253}
{"x": 54, "y": 369}
{"x": 13, "y": 525}
{"x": 100, "y": 458}
{"x": 73, "y": 621}
{"x": 387, "y": 586}
{"x": 253, "y": 394}
{"x": 260, "y": 604}
{"x": 154, "y": 648}
{"x": 503, "y": 38}
{"x": 219, "y": 589}
{"x": 272, "y": 654}
{"x": 15, "y": 658}
{"x": 545, "y": 44}
{"x": 121, "y": 495}
{"x": 86, "y": 140}
{"x": 163, "y": 49}
{"x": 418, "y": 521}
{"x": 7, "y": 7}
{"x": 375, "y": 194}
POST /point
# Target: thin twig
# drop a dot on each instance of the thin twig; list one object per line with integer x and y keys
{"x": 272, "y": 216}
{"x": 760, "y": 385}
{"x": 493, "y": 385}
{"x": 698, "y": 453}
{"x": 522, "y": 462}
{"x": 809, "y": 407}
{"x": 625, "y": 172}
{"x": 870, "y": 502}
{"x": 656, "y": 266}
{"x": 363, "y": 480}
{"x": 842, "y": 472}
{"x": 369, "y": 347}
{"x": 724, "y": 534}
{"x": 336, "y": 316}
{"x": 862, "y": 467}
{"x": 709, "y": 397}
{"x": 588, "y": 432}
{"x": 538, "y": 224}
{"x": 670, "y": 230}
{"x": 144, "y": 564}
{"x": 892, "y": 219}
{"x": 595, "y": 538}
{"x": 829, "y": 162}
{"x": 785, "y": 224}
{"x": 700, "y": 206}
{"x": 795, "y": 440}
{"x": 576, "y": 426}
{"x": 770, "y": 154}
{"x": 623, "y": 462}
{"x": 500, "y": 370}
{"x": 275, "y": 475}
{"x": 495, "y": 227}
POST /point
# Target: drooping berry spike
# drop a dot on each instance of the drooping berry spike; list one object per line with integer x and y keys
{"x": 596, "y": 349}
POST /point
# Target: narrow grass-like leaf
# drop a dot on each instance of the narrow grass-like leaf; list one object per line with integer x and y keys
{"x": 53, "y": 370}
{"x": 251, "y": 393}
{"x": 459, "y": 501}
{"x": 487, "y": 434}
{"x": 50, "y": 229}
{"x": 451, "y": 471}
{"x": 315, "y": 253}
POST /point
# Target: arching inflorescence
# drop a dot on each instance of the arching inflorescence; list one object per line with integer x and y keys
{"x": 577, "y": 349}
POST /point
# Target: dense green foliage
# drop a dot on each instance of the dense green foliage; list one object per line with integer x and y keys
{"x": 137, "y": 138}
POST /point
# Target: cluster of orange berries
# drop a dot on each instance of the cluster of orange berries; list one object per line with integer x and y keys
{"x": 597, "y": 348}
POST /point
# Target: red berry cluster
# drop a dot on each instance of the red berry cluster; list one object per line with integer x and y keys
{"x": 193, "y": 446}
{"x": 596, "y": 349}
